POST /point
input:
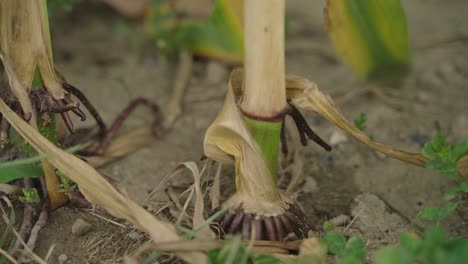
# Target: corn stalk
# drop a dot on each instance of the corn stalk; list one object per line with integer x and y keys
{"x": 26, "y": 49}
{"x": 247, "y": 131}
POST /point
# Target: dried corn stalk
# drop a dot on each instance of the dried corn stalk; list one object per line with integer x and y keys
{"x": 26, "y": 49}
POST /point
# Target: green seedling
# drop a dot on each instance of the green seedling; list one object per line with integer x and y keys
{"x": 444, "y": 160}
{"x": 351, "y": 251}
{"x": 360, "y": 123}
{"x": 30, "y": 196}
{"x": 444, "y": 157}
{"x": 434, "y": 248}
{"x": 67, "y": 186}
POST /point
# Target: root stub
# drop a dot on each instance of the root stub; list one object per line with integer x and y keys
{"x": 274, "y": 228}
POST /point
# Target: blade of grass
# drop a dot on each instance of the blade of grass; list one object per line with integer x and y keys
{"x": 9, "y": 224}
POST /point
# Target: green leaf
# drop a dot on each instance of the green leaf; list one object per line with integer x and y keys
{"x": 434, "y": 238}
{"x": 8, "y": 174}
{"x": 356, "y": 249}
{"x": 221, "y": 36}
{"x": 437, "y": 214}
{"x": 30, "y": 196}
{"x": 411, "y": 243}
{"x": 391, "y": 255}
{"x": 460, "y": 150}
{"x": 360, "y": 121}
{"x": 266, "y": 259}
{"x": 327, "y": 226}
{"x": 335, "y": 242}
{"x": 452, "y": 193}
{"x": 430, "y": 150}
{"x": 464, "y": 186}
{"x": 349, "y": 260}
{"x": 369, "y": 35}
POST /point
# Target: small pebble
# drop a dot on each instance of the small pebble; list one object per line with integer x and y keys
{"x": 310, "y": 185}
{"x": 135, "y": 235}
{"x": 62, "y": 259}
{"x": 81, "y": 227}
{"x": 337, "y": 137}
{"x": 340, "y": 220}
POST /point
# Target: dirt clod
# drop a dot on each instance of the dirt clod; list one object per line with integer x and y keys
{"x": 62, "y": 259}
{"x": 81, "y": 227}
{"x": 340, "y": 220}
{"x": 337, "y": 137}
{"x": 376, "y": 221}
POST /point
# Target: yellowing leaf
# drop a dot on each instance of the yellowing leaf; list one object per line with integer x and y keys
{"x": 220, "y": 37}
{"x": 369, "y": 35}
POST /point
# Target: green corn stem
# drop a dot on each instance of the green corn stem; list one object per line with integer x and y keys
{"x": 267, "y": 135}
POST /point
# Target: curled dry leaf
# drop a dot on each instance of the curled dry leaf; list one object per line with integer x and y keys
{"x": 306, "y": 95}
{"x": 124, "y": 144}
{"x": 198, "y": 219}
{"x": 95, "y": 188}
{"x": 228, "y": 140}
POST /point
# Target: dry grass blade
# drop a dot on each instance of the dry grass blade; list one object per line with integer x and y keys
{"x": 173, "y": 108}
{"x": 215, "y": 192}
{"x": 95, "y": 188}
{"x": 258, "y": 246}
{"x": 123, "y": 145}
{"x": 5, "y": 254}
{"x": 199, "y": 206}
{"x": 9, "y": 189}
{"x": 313, "y": 99}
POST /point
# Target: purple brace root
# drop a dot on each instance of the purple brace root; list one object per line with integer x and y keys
{"x": 274, "y": 228}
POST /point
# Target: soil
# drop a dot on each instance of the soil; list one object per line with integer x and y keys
{"x": 95, "y": 56}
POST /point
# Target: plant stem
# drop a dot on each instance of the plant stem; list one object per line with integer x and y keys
{"x": 264, "y": 98}
{"x": 264, "y": 92}
{"x": 267, "y": 135}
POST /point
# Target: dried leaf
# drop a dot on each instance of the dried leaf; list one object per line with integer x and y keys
{"x": 95, "y": 188}
{"x": 228, "y": 140}
{"x": 124, "y": 144}
{"x": 311, "y": 98}
{"x": 198, "y": 218}
{"x": 28, "y": 48}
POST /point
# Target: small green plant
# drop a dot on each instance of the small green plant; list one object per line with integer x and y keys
{"x": 444, "y": 160}
{"x": 443, "y": 156}
{"x": 67, "y": 186}
{"x": 435, "y": 248}
{"x": 348, "y": 251}
{"x": 360, "y": 123}
{"x": 30, "y": 196}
